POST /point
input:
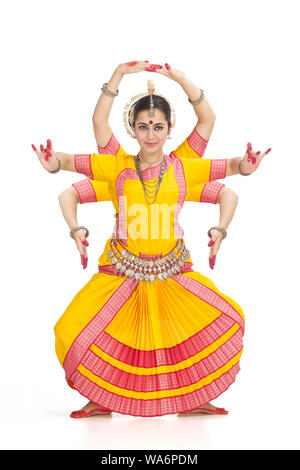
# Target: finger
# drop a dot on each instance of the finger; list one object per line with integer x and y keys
{"x": 211, "y": 243}
{"x": 85, "y": 242}
{"x": 249, "y": 148}
{"x": 214, "y": 260}
{"x": 262, "y": 155}
{"x": 42, "y": 148}
{"x": 34, "y": 147}
{"x": 167, "y": 66}
{"x": 150, "y": 69}
{"x": 84, "y": 260}
{"x": 49, "y": 144}
{"x": 162, "y": 72}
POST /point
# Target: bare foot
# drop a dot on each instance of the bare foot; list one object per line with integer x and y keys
{"x": 88, "y": 409}
{"x": 91, "y": 406}
{"x": 208, "y": 408}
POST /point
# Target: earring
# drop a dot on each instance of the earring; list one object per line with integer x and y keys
{"x": 169, "y": 137}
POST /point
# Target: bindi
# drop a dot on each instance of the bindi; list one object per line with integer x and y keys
{"x": 150, "y": 122}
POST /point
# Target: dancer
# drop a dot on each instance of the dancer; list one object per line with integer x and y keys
{"x": 147, "y": 335}
{"x": 194, "y": 145}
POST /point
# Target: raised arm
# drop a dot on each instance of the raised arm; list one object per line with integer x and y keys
{"x": 102, "y": 130}
{"x": 106, "y": 140}
{"x": 204, "y": 112}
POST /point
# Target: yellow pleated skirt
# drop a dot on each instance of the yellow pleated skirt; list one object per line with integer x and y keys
{"x": 150, "y": 349}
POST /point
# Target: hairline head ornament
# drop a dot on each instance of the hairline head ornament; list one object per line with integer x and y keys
{"x": 129, "y": 109}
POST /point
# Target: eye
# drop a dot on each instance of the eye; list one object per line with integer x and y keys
{"x": 156, "y": 128}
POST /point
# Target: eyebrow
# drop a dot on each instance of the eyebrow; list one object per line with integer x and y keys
{"x": 153, "y": 124}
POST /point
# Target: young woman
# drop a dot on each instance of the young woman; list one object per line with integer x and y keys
{"x": 147, "y": 335}
{"x": 193, "y": 146}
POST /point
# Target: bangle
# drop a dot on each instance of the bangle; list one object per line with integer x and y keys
{"x": 59, "y": 166}
{"x": 198, "y": 101}
{"x": 217, "y": 228}
{"x": 108, "y": 92}
{"x": 78, "y": 227}
{"x": 239, "y": 169}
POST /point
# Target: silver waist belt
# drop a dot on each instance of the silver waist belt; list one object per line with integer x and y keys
{"x": 128, "y": 264}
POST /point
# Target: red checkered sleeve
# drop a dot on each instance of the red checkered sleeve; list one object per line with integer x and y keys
{"x": 211, "y": 192}
{"x": 197, "y": 143}
{"x": 85, "y": 191}
{"x": 193, "y": 146}
{"x": 111, "y": 148}
{"x": 218, "y": 169}
{"x": 207, "y": 192}
{"x": 203, "y": 170}
{"x": 92, "y": 191}
{"x": 82, "y": 164}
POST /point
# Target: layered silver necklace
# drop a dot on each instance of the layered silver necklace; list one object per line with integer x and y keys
{"x": 150, "y": 187}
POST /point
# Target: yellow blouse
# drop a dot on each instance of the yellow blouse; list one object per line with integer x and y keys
{"x": 142, "y": 227}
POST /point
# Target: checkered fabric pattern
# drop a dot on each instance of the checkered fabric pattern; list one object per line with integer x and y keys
{"x": 83, "y": 164}
{"x": 211, "y": 191}
{"x": 111, "y": 148}
{"x": 158, "y": 381}
{"x": 218, "y": 169}
{"x": 197, "y": 143}
{"x": 85, "y": 190}
{"x": 87, "y": 336}
{"x": 154, "y": 407}
{"x": 211, "y": 297}
{"x": 180, "y": 179}
{"x": 168, "y": 356}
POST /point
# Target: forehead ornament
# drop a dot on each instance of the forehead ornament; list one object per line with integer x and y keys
{"x": 129, "y": 109}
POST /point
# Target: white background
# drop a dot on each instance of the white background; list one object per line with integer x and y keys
{"x": 55, "y": 57}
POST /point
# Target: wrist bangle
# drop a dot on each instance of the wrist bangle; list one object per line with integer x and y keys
{"x": 221, "y": 229}
{"x": 109, "y": 92}
{"x": 78, "y": 227}
{"x": 198, "y": 101}
{"x": 239, "y": 169}
{"x": 59, "y": 167}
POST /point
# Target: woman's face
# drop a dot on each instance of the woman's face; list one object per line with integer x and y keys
{"x": 151, "y": 130}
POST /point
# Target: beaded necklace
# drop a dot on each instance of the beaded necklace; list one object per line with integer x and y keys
{"x": 150, "y": 188}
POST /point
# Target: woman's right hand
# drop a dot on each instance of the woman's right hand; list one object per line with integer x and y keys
{"x": 81, "y": 243}
{"x": 47, "y": 156}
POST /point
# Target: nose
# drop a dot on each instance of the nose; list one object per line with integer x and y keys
{"x": 150, "y": 133}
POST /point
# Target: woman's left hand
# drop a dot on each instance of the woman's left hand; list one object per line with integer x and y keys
{"x": 167, "y": 71}
{"x": 215, "y": 243}
{"x": 252, "y": 159}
